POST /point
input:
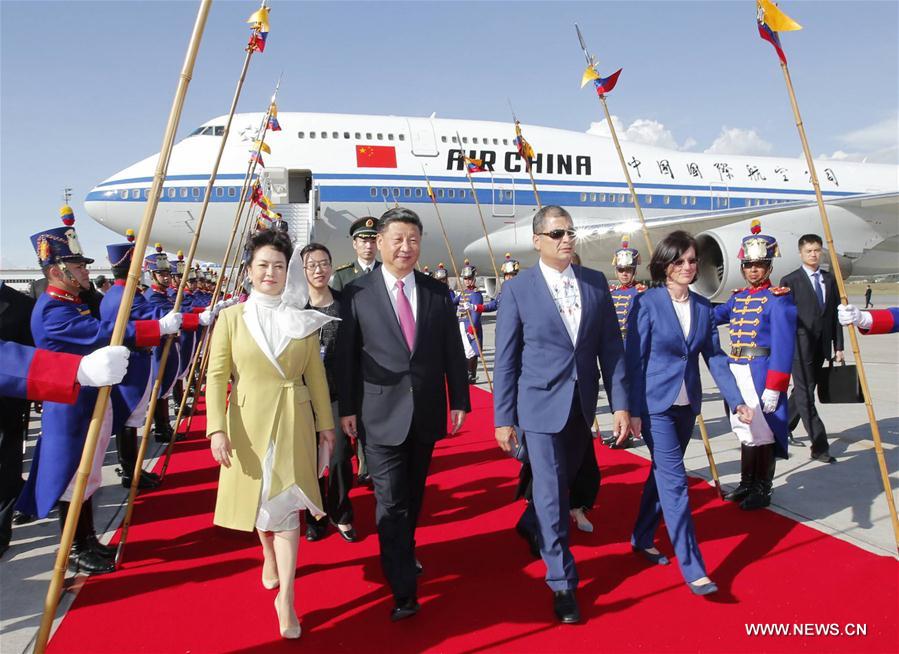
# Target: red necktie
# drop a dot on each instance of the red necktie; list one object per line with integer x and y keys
{"x": 407, "y": 320}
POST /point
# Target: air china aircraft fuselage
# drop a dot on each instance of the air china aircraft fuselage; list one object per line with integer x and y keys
{"x": 326, "y": 170}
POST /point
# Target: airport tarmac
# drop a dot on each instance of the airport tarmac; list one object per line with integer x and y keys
{"x": 845, "y": 500}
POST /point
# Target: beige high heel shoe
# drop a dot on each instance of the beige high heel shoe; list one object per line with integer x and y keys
{"x": 269, "y": 584}
{"x": 288, "y": 632}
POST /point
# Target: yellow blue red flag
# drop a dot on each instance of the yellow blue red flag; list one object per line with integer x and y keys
{"x": 772, "y": 20}
{"x": 273, "y": 123}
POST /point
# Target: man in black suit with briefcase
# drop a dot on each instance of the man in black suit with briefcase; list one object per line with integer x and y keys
{"x": 818, "y": 334}
{"x": 399, "y": 335}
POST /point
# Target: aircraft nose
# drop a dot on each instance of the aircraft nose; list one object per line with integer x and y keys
{"x": 96, "y": 204}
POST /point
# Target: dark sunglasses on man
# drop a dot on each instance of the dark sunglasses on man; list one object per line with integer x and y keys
{"x": 557, "y": 234}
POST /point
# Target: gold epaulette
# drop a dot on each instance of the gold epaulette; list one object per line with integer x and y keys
{"x": 737, "y": 290}
{"x": 343, "y": 267}
{"x": 779, "y": 290}
{"x": 641, "y": 287}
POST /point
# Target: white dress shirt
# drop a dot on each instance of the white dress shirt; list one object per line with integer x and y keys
{"x": 408, "y": 288}
{"x": 682, "y": 309}
{"x": 566, "y": 294}
{"x": 365, "y": 267}
{"x": 811, "y": 280}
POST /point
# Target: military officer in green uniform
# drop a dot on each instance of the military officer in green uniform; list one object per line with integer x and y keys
{"x": 363, "y": 232}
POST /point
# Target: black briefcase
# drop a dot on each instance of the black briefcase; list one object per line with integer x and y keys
{"x": 839, "y": 385}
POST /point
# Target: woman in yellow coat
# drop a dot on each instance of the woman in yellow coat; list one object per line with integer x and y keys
{"x": 265, "y": 440}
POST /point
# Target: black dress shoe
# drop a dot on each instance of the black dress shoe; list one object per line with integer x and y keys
{"x": 315, "y": 531}
{"x": 363, "y": 480}
{"x": 349, "y": 535}
{"x": 796, "y": 443}
{"x": 84, "y": 559}
{"x": 419, "y": 568}
{"x": 19, "y": 518}
{"x": 404, "y": 608}
{"x": 531, "y": 538}
{"x": 824, "y": 457}
{"x": 565, "y": 606}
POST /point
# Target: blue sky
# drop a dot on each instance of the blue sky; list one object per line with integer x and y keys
{"x": 86, "y": 87}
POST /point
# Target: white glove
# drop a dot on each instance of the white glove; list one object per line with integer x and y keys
{"x": 769, "y": 400}
{"x": 206, "y": 317}
{"x": 465, "y": 305}
{"x": 104, "y": 367}
{"x": 848, "y": 314}
{"x": 170, "y": 323}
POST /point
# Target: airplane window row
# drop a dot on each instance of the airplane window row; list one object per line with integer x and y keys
{"x": 418, "y": 192}
{"x": 685, "y": 200}
{"x": 369, "y": 136}
{"x": 625, "y": 198}
{"x": 475, "y": 140}
{"x": 183, "y": 192}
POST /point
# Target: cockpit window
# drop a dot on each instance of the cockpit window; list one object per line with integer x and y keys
{"x": 209, "y": 130}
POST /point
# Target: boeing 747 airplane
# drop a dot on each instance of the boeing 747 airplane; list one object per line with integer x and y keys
{"x": 326, "y": 170}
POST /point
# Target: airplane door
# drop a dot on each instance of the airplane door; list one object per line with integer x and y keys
{"x": 503, "y": 196}
{"x": 719, "y": 196}
{"x": 424, "y": 140}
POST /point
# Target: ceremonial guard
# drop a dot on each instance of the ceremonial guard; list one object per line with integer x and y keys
{"x": 131, "y": 397}
{"x": 440, "y": 274}
{"x": 159, "y": 269}
{"x": 363, "y": 232}
{"x": 62, "y": 322}
{"x": 509, "y": 270}
{"x": 762, "y": 325}
{"x": 624, "y": 292}
{"x": 469, "y": 307}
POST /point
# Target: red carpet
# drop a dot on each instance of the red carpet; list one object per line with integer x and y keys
{"x": 187, "y": 586}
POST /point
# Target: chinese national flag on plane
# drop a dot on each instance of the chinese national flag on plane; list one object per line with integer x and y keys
{"x": 375, "y": 156}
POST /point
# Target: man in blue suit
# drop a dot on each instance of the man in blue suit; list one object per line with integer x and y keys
{"x": 555, "y": 321}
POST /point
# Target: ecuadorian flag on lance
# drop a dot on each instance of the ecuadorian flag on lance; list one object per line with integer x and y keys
{"x": 273, "y": 123}
{"x": 772, "y": 20}
{"x": 603, "y": 85}
{"x": 259, "y": 21}
{"x": 524, "y": 148}
{"x": 475, "y": 165}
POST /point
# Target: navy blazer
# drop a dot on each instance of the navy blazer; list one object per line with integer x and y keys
{"x": 536, "y": 364}
{"x": 659, "y": 358}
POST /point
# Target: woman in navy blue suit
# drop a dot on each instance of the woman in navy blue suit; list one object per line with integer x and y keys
{"x": 669, "y": 327}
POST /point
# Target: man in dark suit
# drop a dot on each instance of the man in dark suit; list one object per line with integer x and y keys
{"x": 15, "y": 326}
{"x": 399, "y": 336}
{"x": 818, "y": 333}
{"x": 556, "y": 320}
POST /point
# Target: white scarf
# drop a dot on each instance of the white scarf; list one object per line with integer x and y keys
{"x": 276, "y": 319}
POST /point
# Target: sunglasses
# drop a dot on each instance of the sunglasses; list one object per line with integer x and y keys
{"x": 557, "y": 234}
{"x": 681, "y": 263}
